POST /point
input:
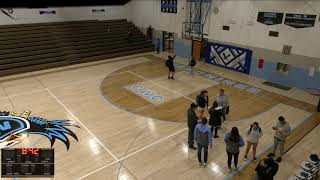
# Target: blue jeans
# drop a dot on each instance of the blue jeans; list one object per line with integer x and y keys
{"x": 205, "y": 149}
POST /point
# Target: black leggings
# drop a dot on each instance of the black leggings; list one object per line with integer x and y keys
{"x": 215, "y": 130}
{"x": 235, "y": 160}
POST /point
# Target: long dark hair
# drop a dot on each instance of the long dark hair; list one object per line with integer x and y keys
{"x": 214, "y": 105}
{"x": 203, "y": 92}
{"x": 235, "y": 136}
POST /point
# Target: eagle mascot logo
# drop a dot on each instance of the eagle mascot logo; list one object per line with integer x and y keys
{"x": 15, "y": 127}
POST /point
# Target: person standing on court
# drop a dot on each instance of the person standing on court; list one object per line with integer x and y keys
{"x": 223, "y": 101}
{"x": 202, "y": 102}
{"x": 192, "y": 63}
{"x": 192, "y": 122}
{"x": 233, "y": 141}
{"x": 202, "y": 134}
{"x": 170, "y": 65}
{"x": 254, "y": 134}
{"x": 282, "y": 131}
{"x": 215, "y": 118}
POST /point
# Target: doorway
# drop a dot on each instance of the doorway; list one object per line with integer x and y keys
{"x": 168, "y": 42}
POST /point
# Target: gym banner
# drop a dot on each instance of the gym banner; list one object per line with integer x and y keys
{"x": 169, "y": 6}
{"x": 270, "y": 18}
{"x": 231, "y": 57}
{"x": 300, "y": 20}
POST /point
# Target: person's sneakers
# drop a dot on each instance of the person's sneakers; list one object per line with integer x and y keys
{"x": 254, "y": 159}
{"x": 279, "y": 159}
{"x": 192, "y": 147}
{"x": 245, "y": 158}
{"x": 236, "y": 168}
{"x": 172, "y": 78}
{"x": 204, "y": 164}
{"x": 215, "y": 136}
{"x": 230, "y": 170}
{"x": 200, "y": 164}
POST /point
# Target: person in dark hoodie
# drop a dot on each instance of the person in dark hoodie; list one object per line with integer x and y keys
{"x": 170, "y": 65}
{"x": 202, "y": 102}
{"x": 266, "y": 169}
{"x": 215, "y": 118}
{"x": 192, "y": 122}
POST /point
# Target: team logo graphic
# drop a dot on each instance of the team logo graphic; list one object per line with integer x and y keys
{"x": 231, "y": 57}
{"x": 15, "y": 127}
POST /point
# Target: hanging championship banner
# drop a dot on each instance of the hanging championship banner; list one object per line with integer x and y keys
{"x": 169, "y": 6}
{"x": 270, "y": 18}
{"x": 300, "y": 20}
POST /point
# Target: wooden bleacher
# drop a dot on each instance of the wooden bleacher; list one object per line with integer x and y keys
{"x": 31, "y": 47}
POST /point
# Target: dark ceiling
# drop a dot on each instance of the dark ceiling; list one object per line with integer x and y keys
{"x": 55, "y": 3}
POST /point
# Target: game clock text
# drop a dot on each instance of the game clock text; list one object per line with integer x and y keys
{"x": 27, "y": 162}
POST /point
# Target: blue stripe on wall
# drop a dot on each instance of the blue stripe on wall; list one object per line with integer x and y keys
{"x": 296, "y": 77}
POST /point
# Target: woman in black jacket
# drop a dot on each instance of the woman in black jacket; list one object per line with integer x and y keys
{"x": 215, "y": 118}
{"x": 202, "y": 102}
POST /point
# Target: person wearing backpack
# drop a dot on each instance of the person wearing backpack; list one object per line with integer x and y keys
{"x": 202, "y": 134}
{"x": 254, "y": 134}
{"x": 192, "y": 63}
{"x": 170, "y": 65}
{"x": 215, "y": 118}
{"x": 233, "y": 141}
{"x": 202, "y": 102}
{"x": 266, "y": 169}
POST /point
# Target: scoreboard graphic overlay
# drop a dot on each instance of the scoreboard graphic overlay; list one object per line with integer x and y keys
{"x": 231, "y": 57}
{"x": 27, "y": 162}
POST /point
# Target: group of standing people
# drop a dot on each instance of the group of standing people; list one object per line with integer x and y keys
{"x": 202, "y": 134}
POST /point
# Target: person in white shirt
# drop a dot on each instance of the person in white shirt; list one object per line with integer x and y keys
{"x": 253, "y": 135}
{"x": 223, "y": 101}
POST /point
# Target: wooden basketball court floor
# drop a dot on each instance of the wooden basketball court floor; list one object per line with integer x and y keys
{"x": 126, "y": 133}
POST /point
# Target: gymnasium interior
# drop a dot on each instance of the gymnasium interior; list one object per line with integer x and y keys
{"x": 85, "y": 91}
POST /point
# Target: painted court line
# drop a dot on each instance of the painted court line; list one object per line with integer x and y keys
{"x": 160, "y": 85}
{"x": 85, "y": 127}
{"x": 133, "y": 153}
{"x": 62, "y": 85}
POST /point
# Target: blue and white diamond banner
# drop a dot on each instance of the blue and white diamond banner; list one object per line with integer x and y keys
{"x": 231, "y": 57}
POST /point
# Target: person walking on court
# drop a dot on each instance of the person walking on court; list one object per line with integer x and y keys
{"x": 282, "y": 131}
{"x": 254, "y": 134}
{"x": 266, "y": 169}
{"x": 158, "y": 46}
{"x": 192, "y": 122}
{"x": 202, "y": 102}
{"x": 202, "y": 134}
{"x": 192, "y": 63}
{"x": 233, "y": 141}
{"x": 170, "y": 65}
{"x": 223, "y": 101}
{"x": 215, "y": 118}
